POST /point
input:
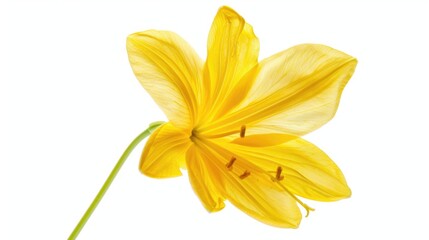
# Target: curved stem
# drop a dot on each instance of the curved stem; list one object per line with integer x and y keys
{"x": 111, "y": 177}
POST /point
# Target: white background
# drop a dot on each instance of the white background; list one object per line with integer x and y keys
{"x": 69, "y": 106}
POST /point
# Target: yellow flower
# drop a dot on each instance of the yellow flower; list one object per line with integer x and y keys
{"x": 234, "y": 123}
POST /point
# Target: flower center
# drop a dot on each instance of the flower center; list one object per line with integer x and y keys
{"x": 194, "y": 135}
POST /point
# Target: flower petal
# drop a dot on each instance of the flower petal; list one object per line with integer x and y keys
{"x": 170, "y": 70}
{"x": 164, "y": 152}
{"x": 295, "y": 92}
{"x": 253, "y": 192}
{"x": 203, "y": 180}
{"x": 307, "y": 170}
{"x": 264, "y": 200}
{"x": 232, "y": 51}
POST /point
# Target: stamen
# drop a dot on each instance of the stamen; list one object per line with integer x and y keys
{"x": 243, "y": 131}
{"x": 279, "y": 176}
{"x": 245, "y": 174}
{"x": 230, "y": 163}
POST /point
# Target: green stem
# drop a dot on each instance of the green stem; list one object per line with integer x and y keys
{"x": 111, "y": 177}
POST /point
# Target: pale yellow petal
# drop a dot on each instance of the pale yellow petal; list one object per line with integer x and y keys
{"x": 170, "y": 70}
{"x": 203, "y": 179}
{"x": 295, "y": 92}
{"x": 307, "y": 170}
{"x": 164, "y": 152}
{"x": 232, "y": 51}
{"x": 252, "y": 190}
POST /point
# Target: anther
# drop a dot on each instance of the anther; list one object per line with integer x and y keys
{"x": 279, "y": 176}
{"x": 230, "y": 163}
{"x": 243, "y": 131}
{"x": 245, "y": 174}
